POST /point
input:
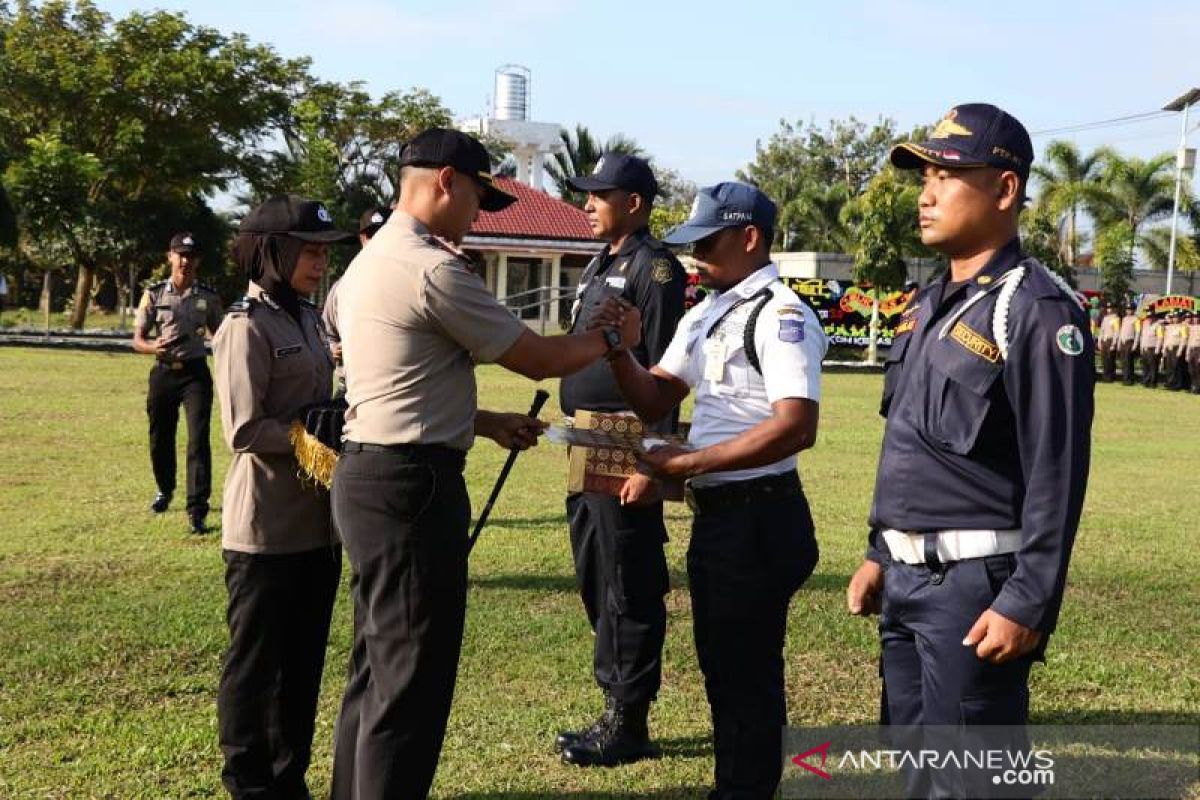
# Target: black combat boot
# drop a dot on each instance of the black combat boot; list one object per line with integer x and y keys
{"x": 624, "y": 740}
{"x": 161, "y": 503}
{"x": 567, "y": 738}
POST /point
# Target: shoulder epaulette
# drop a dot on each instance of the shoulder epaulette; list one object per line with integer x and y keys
{"x": 244, "y": 305}
{"x": 309, "y": 304}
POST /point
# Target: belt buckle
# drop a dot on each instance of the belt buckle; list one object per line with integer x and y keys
{"x": 177, "y": 365}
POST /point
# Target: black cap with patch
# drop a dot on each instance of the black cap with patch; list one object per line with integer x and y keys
{"x": 618, "y": 171}
{"x": 971, "y": 135}
{"x": 294, "y": 216}
{"x": 443, "y": 147}
{"x": 184, "y": 243}
{"x": 372, "y": 220}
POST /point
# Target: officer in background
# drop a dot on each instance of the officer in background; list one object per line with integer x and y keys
{"x": 282, "y": 563}
{"x": 1110, "y": 334}
{"x": 1150, "y": 349}
{"x": 1174, "y": 340}
{"x": 368, "y": 225}
{"x": 415, "y": 320}
{"x": 178, "y": 312}
{"x": 752, "y": 353}
{"x": 1127, "y": 344}
{"x": 620, "y": 567}
{"x": 1192, "y": 351}
{"x": 986, "y": 449}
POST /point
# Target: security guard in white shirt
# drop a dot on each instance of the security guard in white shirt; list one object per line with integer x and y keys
{"x": 752, "y": 352}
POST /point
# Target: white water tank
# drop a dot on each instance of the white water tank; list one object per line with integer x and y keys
{"x": 512, "y": 92}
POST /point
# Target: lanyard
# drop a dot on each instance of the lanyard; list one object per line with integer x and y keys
{"x": 766, "y": 290}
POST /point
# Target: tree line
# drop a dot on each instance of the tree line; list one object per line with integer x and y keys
{"x": 117, "y": 133}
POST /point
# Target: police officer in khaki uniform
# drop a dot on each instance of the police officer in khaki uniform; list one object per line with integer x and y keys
{"x": 1127, "y": 344}
{"x": 368, "y": 225}
{"x": 178, "y": 312}
{"x": 1149, "y": 338}
{"x": 1192, "y": 351}
{"x": 1110, "y": 334}
{"x": 415, "y": 320}
{"x": 281, "y": 561}
{"x": 1174, "y": 340}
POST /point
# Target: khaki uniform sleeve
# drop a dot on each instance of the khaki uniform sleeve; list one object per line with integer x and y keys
{"x": 457, "y": 300}
{"x": 242, "y": 361}
{"x": 143, "y": 318}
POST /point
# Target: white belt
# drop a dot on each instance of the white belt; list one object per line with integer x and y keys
{"x": 951, "y": 545}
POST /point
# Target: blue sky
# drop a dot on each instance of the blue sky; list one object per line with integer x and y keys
{"x": 697, "y": 83}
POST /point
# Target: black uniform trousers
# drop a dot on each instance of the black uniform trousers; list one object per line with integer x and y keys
{"x": 278, "y": 615}
{"x": 190, "y": 386}
{"x": 744, "y": 565}
{"x": 621, "y": 573}
{"x": 1127, "y": 363}
{"x": 1150, "y": 368}
{"x": 1108, "y": 362}
{"x": 929, "y": 677}
{"x": 403, "y": 514}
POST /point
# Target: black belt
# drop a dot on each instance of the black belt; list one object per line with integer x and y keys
{"x": 739, "y": 494}
{"x": 435, "y": 455}
{"x": 178, "y": 364}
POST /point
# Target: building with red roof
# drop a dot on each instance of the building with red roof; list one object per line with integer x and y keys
{"x": 533, "y": 252}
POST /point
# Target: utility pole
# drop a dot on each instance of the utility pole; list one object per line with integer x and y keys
{"x": 1182, "y": 103}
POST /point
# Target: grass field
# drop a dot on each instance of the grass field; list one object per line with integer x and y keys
{"x": 112, "y": 627}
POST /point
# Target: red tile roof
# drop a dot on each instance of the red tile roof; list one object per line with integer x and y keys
{"x": 535, "y": 215}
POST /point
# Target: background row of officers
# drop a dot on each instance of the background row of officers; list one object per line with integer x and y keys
{"x": 1167, "y": 347}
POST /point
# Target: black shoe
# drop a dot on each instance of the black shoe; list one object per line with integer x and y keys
{"x": 623, "y": 741}
{"x": 160, "y": 503}
{"x": 567, "y": 738}
{"x": 196, "y": 520}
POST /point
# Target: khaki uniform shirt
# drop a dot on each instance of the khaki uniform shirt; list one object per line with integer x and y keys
{"x": 1128, "y": 329}
{"x": 268, "y": 367}
{"x": 329, "y": 316}
{"x": 1193, "y": 339}
{"x": 186, "y": 315}
{"x": 1148, "y": 336}
{"x": 1173, "y": 337}
{"x": 1110, "y": 329}
{"x": 415, "y": 320}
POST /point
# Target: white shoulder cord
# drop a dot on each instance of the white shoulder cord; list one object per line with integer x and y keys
{"x": 1007, "y": 283}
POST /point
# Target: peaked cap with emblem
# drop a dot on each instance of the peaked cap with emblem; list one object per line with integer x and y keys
{"x": 971, "y": 135}
{"x": 443, "y": 147}
{"x": 184, "y": 243}
{"x": 294, "y": 216}
{"x": 372, "y": 219}
{"x": 618, "y": 171}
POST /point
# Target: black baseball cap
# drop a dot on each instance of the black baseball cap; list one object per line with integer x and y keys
{"x": 184, "y": 243}
{"x": 295, "y": 216}
{"x": 971, "y": 135}
{"x": 372, "y": 219}
{"x": 443, "y": 147}
{"x": 618, "y": 171}
{"x": 726, "y": 205}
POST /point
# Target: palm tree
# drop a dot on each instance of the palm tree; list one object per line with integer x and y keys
{"x": 579, "y": 157}
{"x": 1131, "y": 190}
{"x": 1064, "y": 184}
{"x": 1156, "y": 247}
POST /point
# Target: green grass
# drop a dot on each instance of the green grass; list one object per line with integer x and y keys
{"x": 60, "y": 320}
{"x": 112, "y": 627}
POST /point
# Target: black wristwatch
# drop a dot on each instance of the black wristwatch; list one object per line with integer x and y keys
{"x": 612, "y": 338}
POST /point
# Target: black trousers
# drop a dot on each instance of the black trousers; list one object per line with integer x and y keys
{"x": 929, "y": 677}
{"x": 403, "y": 518}
{"x": 1127, "y": 363}
{"x": 278, "y": 614}
{"x": 1149, "y": 368}
{"x": 1108, "y": 361}
{"x": 191, "y": 387}
{"x": 744, "y": 565}
{"x": 621, "y": 573}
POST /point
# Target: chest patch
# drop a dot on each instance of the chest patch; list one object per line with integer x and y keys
{"x": 660, "y": 270}
{"x": 976, "y": 342}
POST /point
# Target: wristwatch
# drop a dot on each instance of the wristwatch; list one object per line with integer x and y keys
{"x": 612, "y": 338}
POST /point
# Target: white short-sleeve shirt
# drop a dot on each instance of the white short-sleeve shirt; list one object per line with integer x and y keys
{"x": 708, "y": 354}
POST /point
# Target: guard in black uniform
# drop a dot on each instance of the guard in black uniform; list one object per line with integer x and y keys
{"x": 179, "y": 311}
{"x": 618, "y": 549}
{"x": 989, "y": 401}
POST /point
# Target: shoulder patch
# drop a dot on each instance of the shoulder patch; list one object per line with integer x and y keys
{"x": 976, "y": 342}
{"x": 1069, "y": 340}
{"x": 243, "y": 306}
{"x": 791, "y": 330}
{"x": 660, "y": 270}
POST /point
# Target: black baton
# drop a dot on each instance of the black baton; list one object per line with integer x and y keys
{"x": 539, "y": 400}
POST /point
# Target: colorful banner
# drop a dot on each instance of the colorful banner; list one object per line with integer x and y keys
{"x": 845, "y": 309}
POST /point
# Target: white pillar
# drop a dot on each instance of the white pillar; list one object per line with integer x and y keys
{"x": 1179, "y": 163}
{"x": 535, "y": 179}
{"x": 555, "y": 279}
{"x": 502, "y": 276}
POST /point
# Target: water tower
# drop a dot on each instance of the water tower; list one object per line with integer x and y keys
{"x": 531, "y": 142}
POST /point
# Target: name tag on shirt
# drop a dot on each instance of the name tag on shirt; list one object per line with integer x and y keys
{"x": 615, "y": 281}
{"x": 201, "y": 304}
{"x": 715, "y": 351}
{"x": 290, "y": 350}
